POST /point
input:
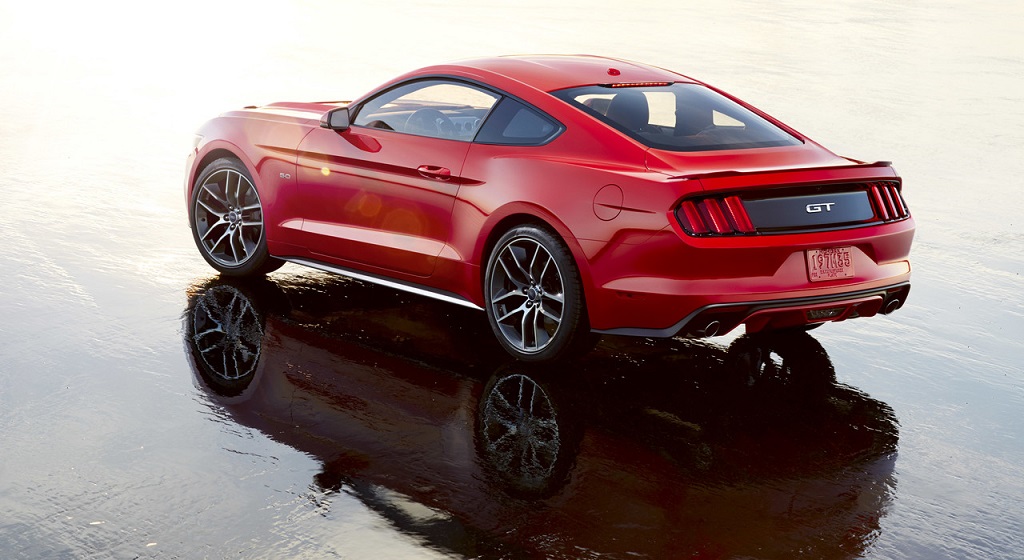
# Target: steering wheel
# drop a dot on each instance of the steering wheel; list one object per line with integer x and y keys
{"x": 430, "y": 122}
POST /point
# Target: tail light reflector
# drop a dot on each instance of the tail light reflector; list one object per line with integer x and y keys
{"x": 690, "y": 218}
{"x": 738, "y": 215}
{"x": 715, "y": 215}
{"x": 888, "y": 201}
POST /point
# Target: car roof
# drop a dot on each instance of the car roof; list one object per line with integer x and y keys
{"x": 554, "y": 72}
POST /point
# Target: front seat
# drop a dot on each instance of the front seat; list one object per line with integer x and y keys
{"x": 629, "y": 110}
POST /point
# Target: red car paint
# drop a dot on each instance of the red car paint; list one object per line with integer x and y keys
{"x": 424, "y": 213}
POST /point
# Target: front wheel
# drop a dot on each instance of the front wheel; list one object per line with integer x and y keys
{"x": 534, "y": 296}
{"x": 227, "y": 221}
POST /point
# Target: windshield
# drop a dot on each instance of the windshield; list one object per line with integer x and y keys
{"x": 680, "y": 117}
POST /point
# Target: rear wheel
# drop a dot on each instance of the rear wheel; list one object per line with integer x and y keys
{"x": 534, "y": 296}
{"x": 227, "y": 221}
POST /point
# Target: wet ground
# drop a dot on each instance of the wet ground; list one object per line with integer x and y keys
{"x": 345, "y": 420}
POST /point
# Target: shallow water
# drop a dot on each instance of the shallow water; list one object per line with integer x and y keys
{"x": 896, "y": 437}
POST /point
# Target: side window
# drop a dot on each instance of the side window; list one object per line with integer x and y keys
{"x": 516, "y": 124}
{"x": 434, "y": 108}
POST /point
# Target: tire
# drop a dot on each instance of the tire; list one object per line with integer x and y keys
{"x": 227, "y": 221}
{"x": 534, "y": 296}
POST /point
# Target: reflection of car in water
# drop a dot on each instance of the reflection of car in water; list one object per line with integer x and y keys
{"x": 658, "y": 449}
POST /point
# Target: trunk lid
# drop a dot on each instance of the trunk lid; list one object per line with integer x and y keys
{"x": 744, "y": 167}
{"x": 745, "y": 196}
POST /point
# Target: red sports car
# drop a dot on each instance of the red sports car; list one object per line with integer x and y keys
{"x": 563, "y": 195}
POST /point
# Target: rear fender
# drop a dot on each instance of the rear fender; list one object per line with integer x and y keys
{"x": 519, "y": 213}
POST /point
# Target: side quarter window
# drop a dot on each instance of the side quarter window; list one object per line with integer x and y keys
{"x": 433, "y": 108}
{"x": 514, "y": 123}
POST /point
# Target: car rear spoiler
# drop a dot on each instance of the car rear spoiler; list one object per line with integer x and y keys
{"x": 858, "y": 171}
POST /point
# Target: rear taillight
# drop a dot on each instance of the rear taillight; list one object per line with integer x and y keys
{"x": 888, "y": 201}
{"x": 800, "y": 209}
{"x": 714, "y": 216}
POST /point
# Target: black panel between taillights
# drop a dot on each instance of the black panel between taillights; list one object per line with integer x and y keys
{"x": 793, "y": 209}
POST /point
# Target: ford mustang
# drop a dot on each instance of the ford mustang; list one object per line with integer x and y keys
{"x": 566, "y": 196}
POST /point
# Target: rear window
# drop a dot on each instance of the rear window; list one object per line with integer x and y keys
{"x": 678, "y": 117}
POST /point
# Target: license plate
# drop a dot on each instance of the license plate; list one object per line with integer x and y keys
{"x": 830, "y": 264}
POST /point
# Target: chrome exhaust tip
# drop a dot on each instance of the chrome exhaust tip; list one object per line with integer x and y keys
{"x": 712, "y": 328}
{"x": 893, "y": 305}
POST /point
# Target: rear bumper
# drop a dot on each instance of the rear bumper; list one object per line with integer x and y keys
{"x": 672, "y": 284}
{"x": 720, "y": 318}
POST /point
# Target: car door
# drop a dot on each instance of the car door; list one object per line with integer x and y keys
{"x": 380, "y": 193}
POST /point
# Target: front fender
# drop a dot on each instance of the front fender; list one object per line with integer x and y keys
{"x": 267, "y": 149}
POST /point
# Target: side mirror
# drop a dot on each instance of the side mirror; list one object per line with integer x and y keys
{"x": 336, "y": 119}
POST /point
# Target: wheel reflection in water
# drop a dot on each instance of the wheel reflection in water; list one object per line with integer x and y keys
{"x": 226, "y": 333}
{"x": 520, "y": 432}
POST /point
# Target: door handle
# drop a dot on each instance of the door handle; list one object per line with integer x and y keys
{"x": 435, "y": 172}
